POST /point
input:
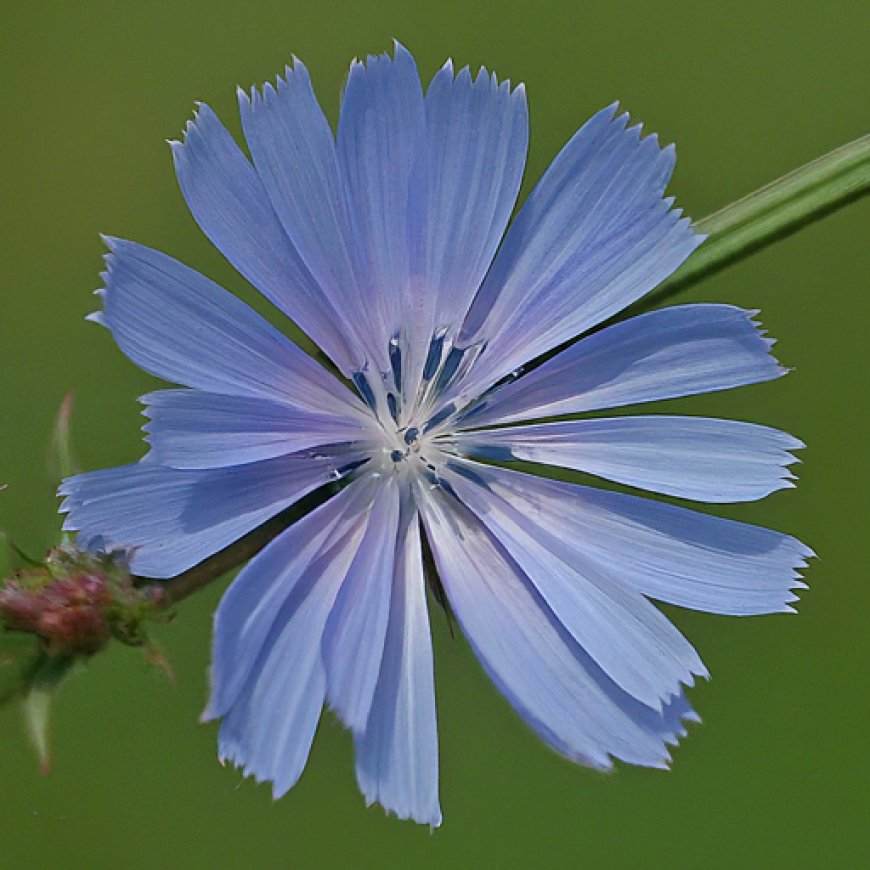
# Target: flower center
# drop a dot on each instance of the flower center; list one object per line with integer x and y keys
{"x": 411, "y": 404}
{"x": 412, "y": 391}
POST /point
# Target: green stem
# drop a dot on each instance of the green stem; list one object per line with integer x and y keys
{"x": 738, "y": 230}
{"x": 170, "y": 592}
{"x": 772, "y": 213}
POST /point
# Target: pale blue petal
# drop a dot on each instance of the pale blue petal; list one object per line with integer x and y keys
{"x": 294, "y": 153}
{"x": 677, "y": 351}
{"x": 193, "y": 429}
{"x": 675, "y": 555}
{"x": 228, "y": 201}
{"x": 353, "y": 643}
{"x": 594, "y": 236}
{"x": 669, "y": 723}
{"x": 178, "y": 325}
{"x": 382, "y": 156}
{"x": 397, "y": 756}
{"x": 477, "y": 136}
{"x": 629, "y": 639}
{"x": 690, "y": 457}
{"x": 251, "y": 606}
{"x": 171, "y": 519}
{"x": 535, "y": 663}
{"x": 269, "y": 727}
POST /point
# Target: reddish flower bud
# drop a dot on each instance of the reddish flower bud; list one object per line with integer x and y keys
{"x": 69, "y": 614}
{"x": 20, "y": 608}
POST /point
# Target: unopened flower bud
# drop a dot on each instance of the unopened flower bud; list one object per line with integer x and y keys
{"x": 69, "y": 615}
{"x": 77, "y": 602}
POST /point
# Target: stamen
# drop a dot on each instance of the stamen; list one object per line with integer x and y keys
{"x": 361, "y": 383}
{"x": 393, "y": 405}
{"x": 433, "y": 357}
{"x": 463, "y": 470}
{"x": 471, "y": 410}
{"x": 396, "y": 362}
{"x": 440, "y": 417}
{"x": 449, "y": 367}
{"x": 437, "y": 482}
{"x": 351, "y": 466}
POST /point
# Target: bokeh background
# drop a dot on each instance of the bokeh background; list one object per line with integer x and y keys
{"x": 778, "y": 774}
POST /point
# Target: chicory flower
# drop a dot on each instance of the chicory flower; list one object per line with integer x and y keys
{"x": 389, "y": 245}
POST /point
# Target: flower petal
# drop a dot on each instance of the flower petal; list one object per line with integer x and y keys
{"x": 689, "y": 457}
{"x": 193, "y": 429}
{"x": 669, "y": 553}
{"x": 178, "y": 325}
{"x": 397, "y": 755}
{"x": 294, "y": 153}
{"x": 669, "y": 723}
{"x": 251, "y": 605}
{"x": 629, "y": 639}
{"x": 477, "y": 136}
{"x": 594, "y": 236}
{"x": 382, "y": 156}
{"x": 171, "y": 519}
{"x": 535, "y": 663}
{"x": 677, "y": 351}
{"x": 227, "y": 199}
{"x": 270, "y": 724}
{"x": 353, "y": 643}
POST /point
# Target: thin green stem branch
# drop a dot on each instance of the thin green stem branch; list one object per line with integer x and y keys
{"x": 170, "y": 592}
{"x": 775, "y": 211}
{"x": 735, "y": 232}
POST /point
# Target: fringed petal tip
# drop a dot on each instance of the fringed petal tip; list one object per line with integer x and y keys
{"x": 681, "y": 732}
{"x": 676, "y": 715}
{"x": 99, "y": 316}
{"x": 762, "y": 333}
{"x": 231, "y": 753}
{"x": 796, "y": 583}
{"x": 431, "y": 818}
{"x": 194, "y": 132}
{"x": 636, "y": 131}
{"x": 609, "y": 764}
{"x": 485, "y": 77}
{"x": 400, "y": 54}
{"x": 792, "y": 598}
{"x": 296, "y": 68}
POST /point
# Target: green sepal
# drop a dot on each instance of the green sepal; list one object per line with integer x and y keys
{"x": 36, "y": 703}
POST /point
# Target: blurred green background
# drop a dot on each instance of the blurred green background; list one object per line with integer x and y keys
{"x": 777, "y": 775}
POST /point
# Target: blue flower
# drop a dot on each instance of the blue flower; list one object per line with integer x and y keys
{"x": 388, "y": 245}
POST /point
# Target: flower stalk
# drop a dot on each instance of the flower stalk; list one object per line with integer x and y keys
{"x": 773, "y": 212}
